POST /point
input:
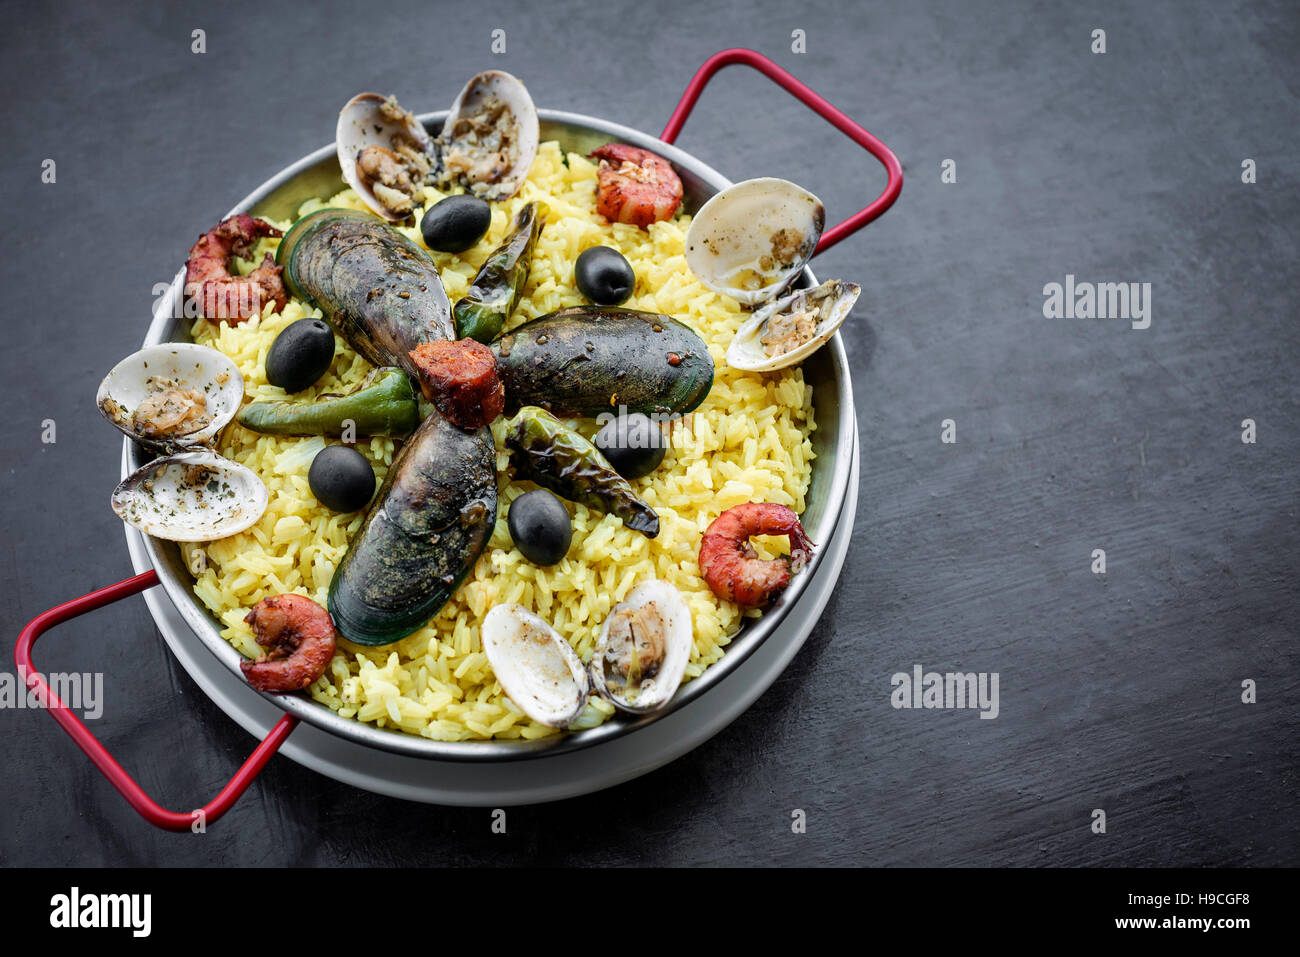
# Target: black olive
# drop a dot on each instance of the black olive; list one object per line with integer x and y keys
{"x": 456, "y": 223}
{"x": 540, "y": 527}
{"x": 341, "y": 478}
{"x": 300, "y": 355}
{"x": 633, "y": 444}
{"x": 604, "y": 276}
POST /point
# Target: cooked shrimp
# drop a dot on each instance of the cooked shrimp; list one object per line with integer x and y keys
{"x": 730, "y": 565}
{"x": 222, "y": 295}
{"x": 635, "y": 186}
{"x": 300, "y": 638}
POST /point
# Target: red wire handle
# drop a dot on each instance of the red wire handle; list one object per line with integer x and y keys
{"x": 135, "y": 795}
{"x": 818, "y": 105}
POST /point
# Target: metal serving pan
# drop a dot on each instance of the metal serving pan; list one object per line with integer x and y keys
{"x": 317, "y": 176}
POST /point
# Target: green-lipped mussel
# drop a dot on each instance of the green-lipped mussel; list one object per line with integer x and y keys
{"x": 424, "y": 532}
{"x": 585, "y": 360}
{"x": 376, "y": 287}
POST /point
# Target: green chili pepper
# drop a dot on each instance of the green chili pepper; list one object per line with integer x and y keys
{"x": 500, "y": 282}
{"x": 554, "y": 456}
{"x": 384, "y": 404}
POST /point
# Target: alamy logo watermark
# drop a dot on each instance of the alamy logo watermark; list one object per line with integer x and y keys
{"x": 950, "y": 690}
{"x": 1129, "y": 301}
{"x": 75, "y": 909}
{"x": 79, "y": 691}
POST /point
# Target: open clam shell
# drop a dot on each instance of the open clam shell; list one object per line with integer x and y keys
{"x": 172, "y": 396}
{"x": 791, "y": 329}
{"x": 643, "y": 649}
{"x": 489, "y": 140}
{"x": 190, "y": 497}
{"x": 751, "y": 240}
{"x": 536, "y": 667}
{"x": 371, "y": 120}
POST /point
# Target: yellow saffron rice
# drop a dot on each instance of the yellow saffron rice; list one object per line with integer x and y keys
{"x": 748, "y": 442}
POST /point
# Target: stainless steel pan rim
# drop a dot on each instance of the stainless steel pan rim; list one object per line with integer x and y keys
{"x": 279, "y": 198}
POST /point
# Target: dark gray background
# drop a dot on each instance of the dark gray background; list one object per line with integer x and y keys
{"x": 1119, "y": 693}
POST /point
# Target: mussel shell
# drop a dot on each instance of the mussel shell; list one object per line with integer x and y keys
{"x": 191, "y": 366}
{"x": 421, "y": 537}
{"x": 587, "y": 360}
{"x": 752, "y": 239}
{"x": 515, "y": 95}
{"x": 190, "y": 497}
{"x": 535, "y": 666}
{"x": 746, "y": 350}
{"x": 361, "y": 124}
{"x": 376, "y": 287}
{"x": 666, "y": 602}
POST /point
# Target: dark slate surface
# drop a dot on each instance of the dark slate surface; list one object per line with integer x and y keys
{"x": 1119, "y": 692}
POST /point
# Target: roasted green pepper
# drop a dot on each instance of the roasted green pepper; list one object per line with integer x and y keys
{"x": 384, "y": 404}
{"x": 554, "y": 456}
{"x": 500, "y": 282}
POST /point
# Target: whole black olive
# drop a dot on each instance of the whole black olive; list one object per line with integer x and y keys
{"x": 540, "y": 527}
{"x": 633, "y": 443}
{"x": 300, "y": 355}
{"x": 604, "y": 276}
{"x": 341, "y": 478}
{"x": 456, "y": 223}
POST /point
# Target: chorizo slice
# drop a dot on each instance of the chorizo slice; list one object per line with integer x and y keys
{"x": 461, "y": 379}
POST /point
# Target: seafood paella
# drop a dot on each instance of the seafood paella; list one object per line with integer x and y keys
{"x": 495, "y": 442}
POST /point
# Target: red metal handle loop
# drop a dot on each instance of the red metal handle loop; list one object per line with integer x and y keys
{"x": 818, "y": 105}
{"x": 135, "y": 795}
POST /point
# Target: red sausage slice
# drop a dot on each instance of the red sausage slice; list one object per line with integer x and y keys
{"x": 461, "y": 379}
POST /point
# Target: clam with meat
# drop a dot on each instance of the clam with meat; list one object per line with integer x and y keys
{"x": 489, "y": 140}
{"x": 171, "y": 396}
{"x": 176, "y": 398}
{"x": 792, "y": 328}
{"x": 643, "y": 649}
{"x": 752, "y": 240}
{"x": 638, "y": 663}
{"x": 486, "y": 146}
{"x": 384, "y": 154}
